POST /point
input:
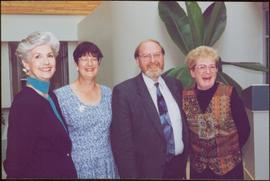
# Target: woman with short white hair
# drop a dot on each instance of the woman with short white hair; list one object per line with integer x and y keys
{"x": 38, "y": 143}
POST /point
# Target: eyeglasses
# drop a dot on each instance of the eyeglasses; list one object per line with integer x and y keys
{"x": 148, "y": 57}
{"x": 85, "y": 59}
{"x": 203, "y": 67}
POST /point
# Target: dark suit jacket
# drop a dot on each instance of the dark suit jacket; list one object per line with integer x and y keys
{"x": 38, "y": 145}
{"x": 138, "y": 144}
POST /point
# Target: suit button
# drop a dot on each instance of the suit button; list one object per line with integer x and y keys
{"x": 67, "y": 154}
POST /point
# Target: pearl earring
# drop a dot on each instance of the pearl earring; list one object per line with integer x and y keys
{"x": 25, "y": 70}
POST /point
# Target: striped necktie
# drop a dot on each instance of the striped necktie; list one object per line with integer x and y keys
{"x": 165, "y": 121}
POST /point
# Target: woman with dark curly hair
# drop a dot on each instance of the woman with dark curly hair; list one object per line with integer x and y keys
{"x": 86, "y": 106}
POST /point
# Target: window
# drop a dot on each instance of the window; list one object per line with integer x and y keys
{"x": 59, "y": 79}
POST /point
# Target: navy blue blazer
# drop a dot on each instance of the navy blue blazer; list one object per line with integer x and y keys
{"x": 138, "y": 143}
{"x": 37, "y": 144}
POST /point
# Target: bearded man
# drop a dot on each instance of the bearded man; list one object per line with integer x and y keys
{"x": 148, "y": 132}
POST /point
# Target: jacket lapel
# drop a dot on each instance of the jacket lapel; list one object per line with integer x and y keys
{"x": 148, "y": 104}
{"x": 174, "y": 90}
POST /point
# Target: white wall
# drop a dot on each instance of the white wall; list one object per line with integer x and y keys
{"x": 127, "y": 23}
{"x": 98, "y": 28}
{"x": 72, "y": 71}
{"x": 5, "y": 77}
{"x": 242, "y": 40}
{"x": 134, "y": 22}
{"x": 16, "y": 27}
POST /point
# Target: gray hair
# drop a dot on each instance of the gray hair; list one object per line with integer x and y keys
{"x": 36, "y": 39}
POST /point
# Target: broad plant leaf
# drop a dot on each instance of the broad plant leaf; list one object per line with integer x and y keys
{"x": 248, "y": 65}
{"x": 194, "y": 29}
{"x": 177, "y": 24}
{"x": 226, "y": 79}
{"x": 196, "y": 21}
{"x": 182, "y": 74}
{"x": 215, "y": 19}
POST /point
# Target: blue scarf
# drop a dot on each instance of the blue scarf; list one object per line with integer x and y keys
{"x": 43, "y": 87}
{"x": 40, "y": 85}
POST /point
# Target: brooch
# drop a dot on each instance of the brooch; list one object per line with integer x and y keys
{"x": 81, "y": 108}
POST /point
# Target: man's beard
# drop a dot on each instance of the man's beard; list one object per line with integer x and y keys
{"x": 154, "y": 75}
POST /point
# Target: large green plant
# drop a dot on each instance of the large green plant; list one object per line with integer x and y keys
{"x": 194, "y": 28}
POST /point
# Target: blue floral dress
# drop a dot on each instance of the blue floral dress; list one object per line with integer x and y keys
{"x": 89, "y": 127}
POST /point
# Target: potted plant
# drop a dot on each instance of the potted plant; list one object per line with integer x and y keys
{"x": 195, "y": 28}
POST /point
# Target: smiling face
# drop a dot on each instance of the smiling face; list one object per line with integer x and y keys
{"x": 204, "y": 72}
{"x": 151, "y": 59}
{"x": 40, "y": 63}
{"x": 88, "y": 66}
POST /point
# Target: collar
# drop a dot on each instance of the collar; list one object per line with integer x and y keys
{"x": 39, "y": 85}
{"x": 150, "y": 83}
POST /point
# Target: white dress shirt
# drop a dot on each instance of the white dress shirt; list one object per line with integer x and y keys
{"x": 173, "y": 109}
